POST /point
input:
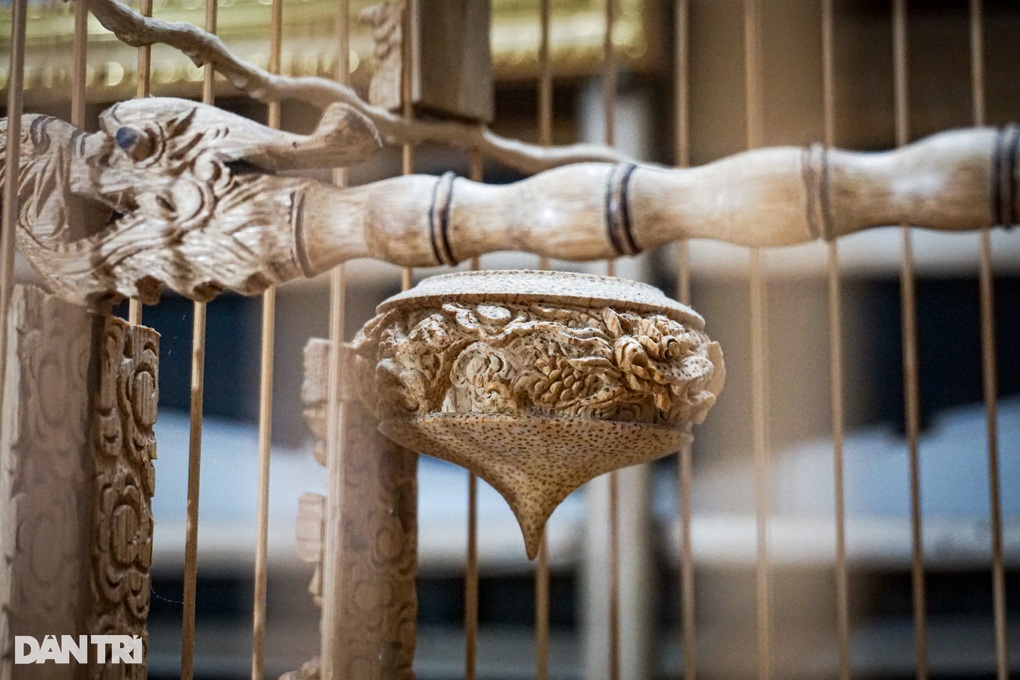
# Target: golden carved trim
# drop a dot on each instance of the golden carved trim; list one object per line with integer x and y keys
{"x": 308, "y": 44}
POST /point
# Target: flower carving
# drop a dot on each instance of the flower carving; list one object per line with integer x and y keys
{"x": 536, "y": 359}
{"x": 480, "y": 381}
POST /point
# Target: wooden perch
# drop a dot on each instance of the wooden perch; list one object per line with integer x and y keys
{"x": 178, "y": 193}
{"x": 958, "y": 180}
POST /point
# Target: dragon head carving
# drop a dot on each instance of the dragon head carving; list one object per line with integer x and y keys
{"x": 171, "y": 192}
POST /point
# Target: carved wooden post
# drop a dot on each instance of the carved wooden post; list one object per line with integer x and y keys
{"x": 377, "y": 607}
{"x": 76, "y": 480}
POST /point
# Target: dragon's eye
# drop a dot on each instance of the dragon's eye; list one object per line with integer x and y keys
{"x": 136, "y": 143}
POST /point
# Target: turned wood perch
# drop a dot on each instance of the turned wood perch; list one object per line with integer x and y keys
{"x": 171, "y": 192}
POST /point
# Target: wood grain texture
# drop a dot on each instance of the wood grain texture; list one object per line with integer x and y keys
{"x": 377, "y": 609}
{"x": 45, "y": 467}
{"x": 451, "y": 62}
{"x": 124, "y": 479}
{"x": 189, "y": 213}
{"x": 537, "y": 381}
{"x": 181, "y": 194}
{"x": 76, "y": 479}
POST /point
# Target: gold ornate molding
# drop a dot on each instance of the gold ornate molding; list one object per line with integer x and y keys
{"x": 308, "y": 45}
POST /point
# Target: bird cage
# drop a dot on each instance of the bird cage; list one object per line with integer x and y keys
{"x": 499, "y": 339}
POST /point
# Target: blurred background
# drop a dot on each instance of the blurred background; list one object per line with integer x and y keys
{"x": 800, "y": 475}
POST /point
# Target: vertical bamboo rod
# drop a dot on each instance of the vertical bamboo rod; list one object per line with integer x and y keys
{"x": 994, "y": 488}
{"x": 989, "y": 366}
{"x": 11, "y": 207}
{"x": 908, "y": 299}
{"x": 763, "y": 577}
{"x": 195, "y": 433}
{"x": 609, "y": 122}
{"x": 836, "y": 361}
{"x": 330, "y": 640}
{"x": 265, "y": 439}
{"x": 258, "y": 657}
{"x": 759, "y": 355}
{"x": 142, "y": 89}
{"x": 471, "y": 583}
{"x": 542, "y": 612}
{"x": 194, "y": 474}
{"x": 545, "y": 94}
{"x": 685, "y": 463}
{"x": 475, "y": 173}
{"x": 614, "y": 574}
{"x": 609, "y": 74}
{"x": 545, "y": 83}
{"x": 81, "y": 37}
{"x": 407, "y": 110}
{"x": 545, "y": 138}
{"x": 143, "y": 83}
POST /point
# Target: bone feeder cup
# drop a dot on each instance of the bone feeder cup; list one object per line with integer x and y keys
{"x": 537, "y": 381}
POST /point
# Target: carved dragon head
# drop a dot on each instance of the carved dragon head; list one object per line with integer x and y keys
{"x": 171, "y": 192}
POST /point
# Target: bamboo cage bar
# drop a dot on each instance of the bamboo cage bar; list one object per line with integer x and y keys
{"x": 268, "y": 336}
{"x": 545, "y": 138}
{"x": 910, "y": 360}
{"x": 989, "y": 364}
{"x": 609, "y": 93}
{"x": 685, "y": 463}
{"x": 471, "y": 574}
{"x": 835, "y": 314}
{"x": 143, "y": 87}
{"x": 81, "y": 34}
{"x": 198, "y": 348}
{"x": 759, "y": 355}
{"x": 336, "y": 448}
{"x": 15, "y": 86}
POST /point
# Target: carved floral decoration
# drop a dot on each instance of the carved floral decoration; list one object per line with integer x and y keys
{"x": 530, "y": 359}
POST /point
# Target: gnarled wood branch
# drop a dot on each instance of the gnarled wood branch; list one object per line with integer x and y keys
{"x": 137, "y": 30}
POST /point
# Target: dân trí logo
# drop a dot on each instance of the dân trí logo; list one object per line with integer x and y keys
{"x": 126, "y": 649}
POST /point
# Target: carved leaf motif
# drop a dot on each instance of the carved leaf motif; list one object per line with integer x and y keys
{"x": 378, "y": 608}
{"x": 125, "y": 445}
{"x": 540, "y": 360}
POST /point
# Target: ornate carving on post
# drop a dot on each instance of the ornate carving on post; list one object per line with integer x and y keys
{"x": 125, "y": 446}
{"x": 537, "y": 381}
{"x": 376, "y": 607}
{"x": 45, "y": 476}
{"x": 76, "y": 478}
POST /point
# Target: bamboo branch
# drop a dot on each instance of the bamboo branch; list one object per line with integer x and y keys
{"x": 137, "y": 30}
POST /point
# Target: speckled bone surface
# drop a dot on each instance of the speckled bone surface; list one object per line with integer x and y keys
{"x": 537, "y": 381}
